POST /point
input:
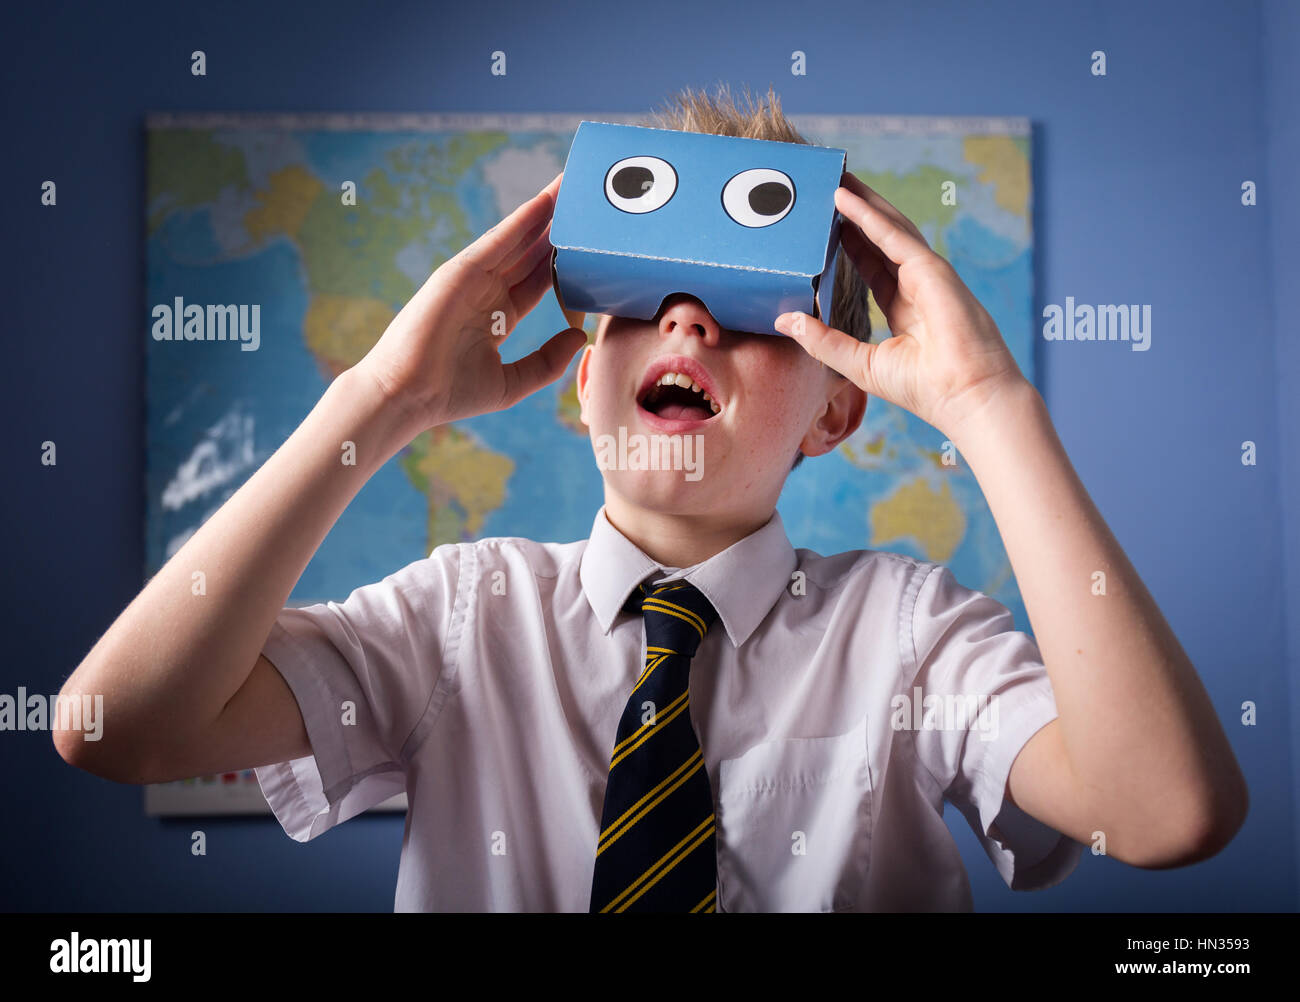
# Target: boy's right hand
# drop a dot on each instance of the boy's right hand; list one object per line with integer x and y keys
{"x": 439, "y": 359}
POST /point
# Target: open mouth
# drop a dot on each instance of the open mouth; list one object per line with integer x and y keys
{"x": 675, "y": 396}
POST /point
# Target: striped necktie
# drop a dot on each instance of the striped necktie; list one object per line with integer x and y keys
{"x": 656, "y": 849}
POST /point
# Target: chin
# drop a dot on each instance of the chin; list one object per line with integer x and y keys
{"x": 666, "y": 492}
{"x": 647, "y": 459}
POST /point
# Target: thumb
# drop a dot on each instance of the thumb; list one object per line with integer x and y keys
{"x": 541, "y": 367}
{"x": 848, "y": 356}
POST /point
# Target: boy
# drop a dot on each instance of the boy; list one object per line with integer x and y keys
{"x": 653, "y": 718}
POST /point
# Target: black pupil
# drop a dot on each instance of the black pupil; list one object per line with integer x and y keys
{"x": 769, "y": 198}
{"x": 633, "y": 182}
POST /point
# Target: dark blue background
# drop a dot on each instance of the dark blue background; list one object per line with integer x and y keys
{"x": 1136, "y": 199}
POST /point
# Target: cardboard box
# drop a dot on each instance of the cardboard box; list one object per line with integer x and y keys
{"x": 747, "y": 226}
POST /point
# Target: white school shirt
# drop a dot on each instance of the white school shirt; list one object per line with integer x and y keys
{"x": 487, "y": 682}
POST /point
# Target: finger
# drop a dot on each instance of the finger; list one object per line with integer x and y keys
{"x": 502, "y": 245}
{"x": 866, "y": 256}
{"x": 541, "y": 367}
{"x": 537, "y": 279}
{"x": 895, "y": 241}
{"x": 497, "y": 244}
{"x": 527, "y": 291}
{"x": 539, "y": 247}
{"x": 526, "y": 241}
{"x": 869, "y": 194}
{"x": 876, "y": 270}
{"x": 848, "y": 356}
{"x": 539, "y": 233}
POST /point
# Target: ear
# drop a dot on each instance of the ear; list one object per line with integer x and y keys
{"x": 839, "y": 418}
{"x": 584, "y": 373}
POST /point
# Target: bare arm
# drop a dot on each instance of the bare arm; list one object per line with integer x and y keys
{"x": 185, "y": 689}
{"x": 1136, "y": 750}
{"x": 174, "y": 659}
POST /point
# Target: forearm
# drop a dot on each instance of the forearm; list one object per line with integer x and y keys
{"x": 1139, "y": 731}
{"x": 174, "y": 658}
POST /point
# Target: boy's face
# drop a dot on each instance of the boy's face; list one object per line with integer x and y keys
{"x": 773, "y": 398}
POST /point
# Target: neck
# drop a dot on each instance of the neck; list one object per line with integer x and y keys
{"x": 677, "y": 540}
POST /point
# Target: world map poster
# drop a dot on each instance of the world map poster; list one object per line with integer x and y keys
{"x": 312, "y": 231}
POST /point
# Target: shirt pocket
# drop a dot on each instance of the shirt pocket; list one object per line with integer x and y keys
{"x": 793, "y": 824}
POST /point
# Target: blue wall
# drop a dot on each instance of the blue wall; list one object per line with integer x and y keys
{"x": 1282, "y": 147}
{"x": 1137, "y": 180}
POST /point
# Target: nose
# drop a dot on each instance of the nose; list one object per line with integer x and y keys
{"x": 684, "y": 314}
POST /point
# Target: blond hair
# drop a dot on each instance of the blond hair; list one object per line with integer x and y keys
{"x": 696, "y": 111}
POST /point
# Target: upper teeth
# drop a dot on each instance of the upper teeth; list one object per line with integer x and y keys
{"x": 681, "y": 379}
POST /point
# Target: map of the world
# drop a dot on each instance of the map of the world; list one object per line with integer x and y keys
{"x": 318, "y": 228}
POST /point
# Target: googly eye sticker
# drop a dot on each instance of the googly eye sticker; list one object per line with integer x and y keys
{"x": 758, "y": 197}
{"x": 640, "y": 184}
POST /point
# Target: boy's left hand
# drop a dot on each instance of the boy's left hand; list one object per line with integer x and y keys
{"x": 946, "y": 358}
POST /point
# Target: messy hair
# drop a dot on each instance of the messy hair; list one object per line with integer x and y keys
{"x": 719, "y": 114}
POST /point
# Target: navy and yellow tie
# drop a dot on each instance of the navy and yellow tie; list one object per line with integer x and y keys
{"x": 656, "y": 848}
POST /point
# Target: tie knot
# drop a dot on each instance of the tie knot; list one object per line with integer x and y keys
{"x": 677, "y": 615}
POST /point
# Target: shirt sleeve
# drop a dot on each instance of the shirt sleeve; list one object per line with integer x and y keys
{"x": 365, "y": 673}
{"x": 985, "y": 693}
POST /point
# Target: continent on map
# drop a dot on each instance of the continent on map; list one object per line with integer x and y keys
{"x": 463, "y": 481}
{"x": 332, "y": 224}
{"x": 933, "y": 518}
{"x": 283, "y": 208}
{"x": 340, "y": 329}
{"x": 916, "y": 195}
{"x": 352, "y": 256}
{"x": 188, "y": 169}
{"x": 1005, "y": 160}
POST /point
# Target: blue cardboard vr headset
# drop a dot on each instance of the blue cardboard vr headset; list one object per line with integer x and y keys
{"x": 747, "y": 226}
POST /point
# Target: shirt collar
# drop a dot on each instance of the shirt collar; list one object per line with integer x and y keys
{"x": 742, "y": 582}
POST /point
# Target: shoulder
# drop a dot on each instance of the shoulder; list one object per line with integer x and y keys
{"x": 924, "y": 598}
{"x": 854, "y": 570}
{"x": 451, "y": 564}
{"x": 492, "y": 553}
